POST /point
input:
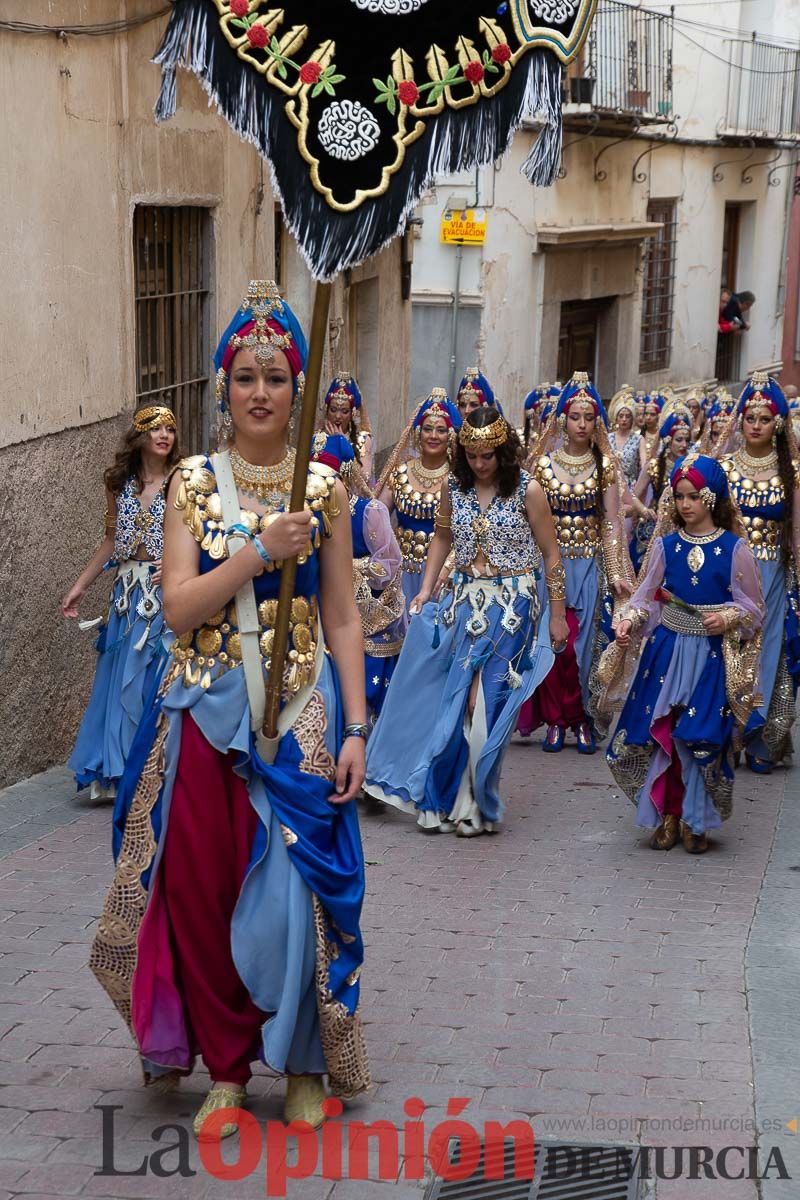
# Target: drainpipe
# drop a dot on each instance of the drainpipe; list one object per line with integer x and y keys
{"x": 454, "y": 328}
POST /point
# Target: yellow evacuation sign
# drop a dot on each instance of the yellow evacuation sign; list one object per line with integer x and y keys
{"x": 466, "y": 226}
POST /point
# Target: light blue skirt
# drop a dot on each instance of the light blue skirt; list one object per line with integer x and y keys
{"x": 426, "y": 754}
{"x": 133, "y": 648}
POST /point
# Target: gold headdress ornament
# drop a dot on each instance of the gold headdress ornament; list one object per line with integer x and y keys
{"x": 759, "y": 381}
{"x": 154, "y": 417}
{"x": 485, "y": 437}
{"x": 263, "y": 300}
{"x": 437, "y": 408}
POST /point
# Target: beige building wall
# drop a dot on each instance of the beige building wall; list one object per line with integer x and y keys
{"x": 70, "y": 181}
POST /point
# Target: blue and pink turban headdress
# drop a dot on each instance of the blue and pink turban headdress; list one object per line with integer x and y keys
{"x": 344, "y": 387}
{"x": 438, "y": 404}
{"x": 541, "y": 397}
{"x": 334, "y": 450}
{"x": 762, "y": 391}
{"x": 675, "y": 421}
{"x": 705, "y": 474}
{"x": 476, "y": 383}
{"x": 264, "y": 323}
{"x": 580, "y": 391}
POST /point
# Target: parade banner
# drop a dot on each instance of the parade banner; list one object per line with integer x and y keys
{"x": 358, "y": 104}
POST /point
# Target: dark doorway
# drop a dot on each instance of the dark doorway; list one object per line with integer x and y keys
{"x": 726, "y": 367}
{"x": 577, "y": 339}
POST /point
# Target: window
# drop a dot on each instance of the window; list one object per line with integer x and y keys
{"x": 171, "y": 264}
{"x": 658, "y": 290}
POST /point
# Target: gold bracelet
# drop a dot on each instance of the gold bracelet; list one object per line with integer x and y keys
{"x": 442, "y": 522}
{"x": 556, "y": 581}
{"x": 110, "y": 522}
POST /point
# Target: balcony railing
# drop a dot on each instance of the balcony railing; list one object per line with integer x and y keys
{"x": 625, "y": 68}
{"x": 763, "y": 90}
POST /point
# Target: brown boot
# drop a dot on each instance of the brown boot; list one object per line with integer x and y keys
{"x": 693, "y": 843}
{"x": 666, "y": 836}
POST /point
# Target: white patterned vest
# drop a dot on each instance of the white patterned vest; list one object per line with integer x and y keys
{"x": 502, "y": 533}
{"x": 137, "y": 526}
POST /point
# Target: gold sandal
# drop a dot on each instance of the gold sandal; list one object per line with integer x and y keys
{"x": 304, "y": 1097}
{"x": 220, "y": 1096}
{"x": 667, "y": 834}
{"x": 693, "y": 843}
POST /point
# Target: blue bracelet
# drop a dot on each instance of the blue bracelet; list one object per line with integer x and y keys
{"x": 262, "y": 552}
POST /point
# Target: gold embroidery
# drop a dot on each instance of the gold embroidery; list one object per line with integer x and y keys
{"x": 113, "y": 955}
{"x": 341, "y": 1032}
{"x": 410, "y": 124}
{"x": 289, "y": 835}
{"x": 309, "y": 729}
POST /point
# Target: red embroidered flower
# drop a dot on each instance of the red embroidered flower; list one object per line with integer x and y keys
{"x": 408, "y": 92}
{"x": 258, "y": 36}
{"x": 501, "y": 53}
{"x": 239, "y": 8}
{"x": 310, "y": 72}
{"x": 473, "y": 72}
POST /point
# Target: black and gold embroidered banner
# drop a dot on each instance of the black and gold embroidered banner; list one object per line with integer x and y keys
{"x": 357, "y": 104}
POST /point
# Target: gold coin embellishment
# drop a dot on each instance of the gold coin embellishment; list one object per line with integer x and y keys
{"x": 302, "y": 638}
{"x": 268, "y": 612}
{"x": 265, "y": 642}
{"x": 234, "y": 646}
{"x": 300, "y": 610}
{"x": 209, "y": 641}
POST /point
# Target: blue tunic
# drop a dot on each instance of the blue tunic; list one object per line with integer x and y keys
{"x": 675, "y": 730}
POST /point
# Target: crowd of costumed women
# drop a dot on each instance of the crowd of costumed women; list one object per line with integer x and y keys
{"x": 627, "y": 574}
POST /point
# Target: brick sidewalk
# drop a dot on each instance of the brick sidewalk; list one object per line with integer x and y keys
{"x": 561, "y": 971}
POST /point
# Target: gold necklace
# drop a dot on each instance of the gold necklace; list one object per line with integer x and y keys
{"x": 429, "y": 478}
{"x": 268, "y": 484}
{"x": 754, "y": 466}
{"x": 574, "y": 464}
{"x": 700, "y": 539}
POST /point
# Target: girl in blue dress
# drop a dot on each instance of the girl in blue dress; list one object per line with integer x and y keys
{"x": 691, "y": 633}
{"x": 131, "y": 648}
{"x": 472, "y": 658}
{"x": 764, "y": 478}
{"x": 411, "y": 487}
{"x": 674, "y": 436}
{"x": 231, "y": 929}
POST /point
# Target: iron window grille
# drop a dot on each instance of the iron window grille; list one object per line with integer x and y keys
{"x": 171, "y": 280}
{"x": 658, "y": 289}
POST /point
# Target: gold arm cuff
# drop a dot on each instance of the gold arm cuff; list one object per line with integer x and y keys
{"x": 556, "y": 581}
{"x": 442, "y": 522}
{"x": 109, "y": 521}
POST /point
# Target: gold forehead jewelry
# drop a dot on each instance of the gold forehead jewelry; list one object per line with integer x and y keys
{"x": 487, "y": 437}
{"x": 469, "y": 389}
{"x": 341, "y": 393}
{"x": 264, "y": 300}
{"x": 153, "y": 417}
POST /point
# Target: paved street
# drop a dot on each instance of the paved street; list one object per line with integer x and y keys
{"x": 561, "y": 972}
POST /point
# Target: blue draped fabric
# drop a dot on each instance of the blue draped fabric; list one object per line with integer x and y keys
{"x": 781, "y": 639}
{"x": 125, "y": 680}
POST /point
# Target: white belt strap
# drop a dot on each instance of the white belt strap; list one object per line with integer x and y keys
{"x": 250, "y": 628}
{"x": 246, "y": 609}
